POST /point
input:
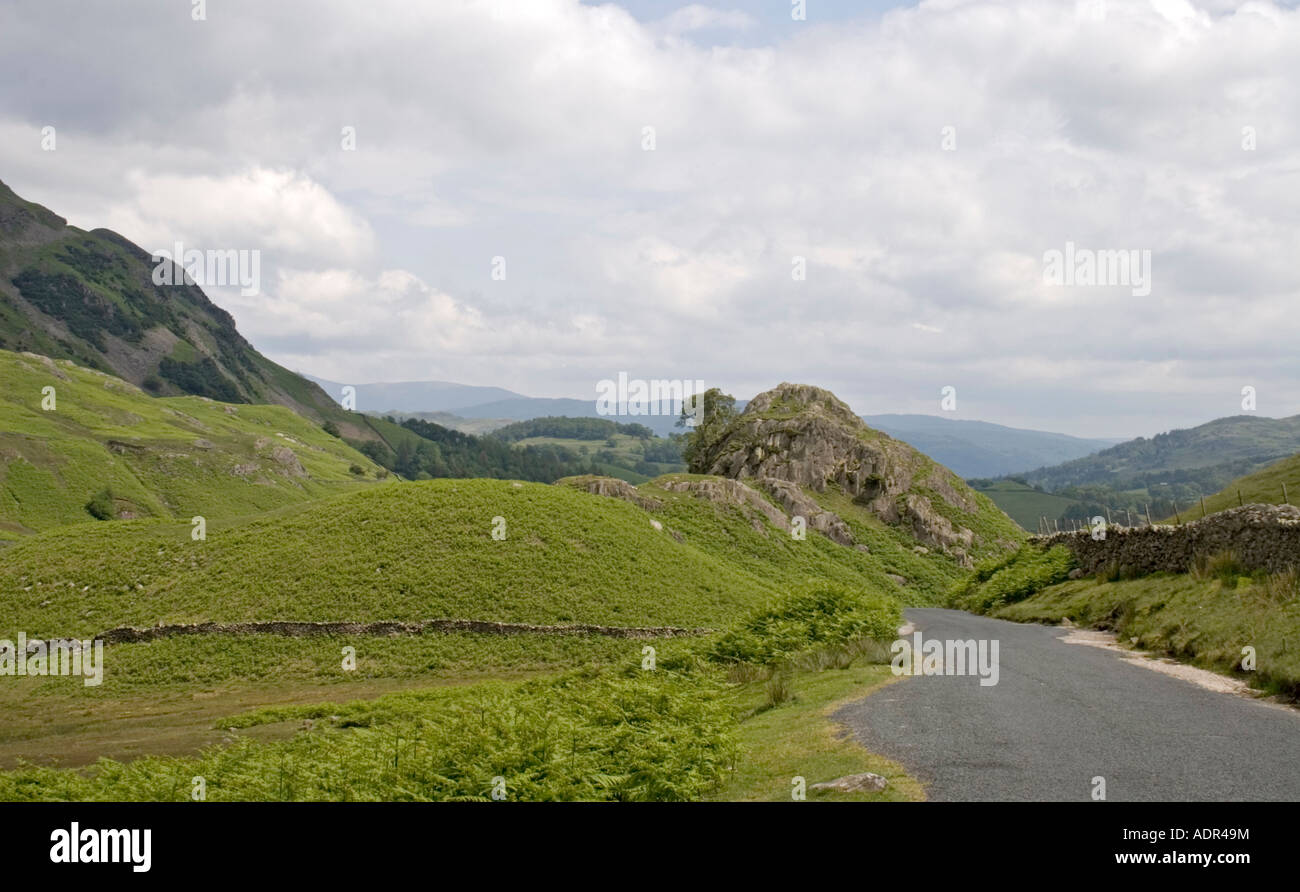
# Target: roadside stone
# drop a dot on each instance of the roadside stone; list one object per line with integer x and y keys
{"x": 854, "y": 783}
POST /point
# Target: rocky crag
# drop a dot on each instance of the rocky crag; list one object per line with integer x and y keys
{"x": 794, "y": 443}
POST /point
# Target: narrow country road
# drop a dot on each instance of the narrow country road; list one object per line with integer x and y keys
{"x": 1062, "y": 714}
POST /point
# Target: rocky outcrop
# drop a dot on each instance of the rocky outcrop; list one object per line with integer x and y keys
{"x": 288, "y": 462}
{"x": 732, "y": 492}
{"x": 797, "y": 503}
{"x": 612, "y": 487}
{"x": 798, "y": 437}
{"x": 1261, "y": 537}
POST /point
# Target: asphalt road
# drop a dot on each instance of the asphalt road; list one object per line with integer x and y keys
{"x": 1062, "y": 714}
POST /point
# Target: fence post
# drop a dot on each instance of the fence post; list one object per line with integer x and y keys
{"x": 1202, "y": 506}
{"x": 1285, "y": 498}
{"x": 1147, "y": 506}
{"x": 1239, "y": 501}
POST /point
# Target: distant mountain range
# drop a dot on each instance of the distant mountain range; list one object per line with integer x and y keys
{"x": 983, "y": 449}
{"x": 1160, "y": 475}
{"x": 476, "y": 402}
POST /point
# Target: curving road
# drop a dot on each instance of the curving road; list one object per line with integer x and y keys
{"x": 1062, "y": 714}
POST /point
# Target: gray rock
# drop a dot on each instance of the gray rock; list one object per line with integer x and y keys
{"x": 854, "y": 783}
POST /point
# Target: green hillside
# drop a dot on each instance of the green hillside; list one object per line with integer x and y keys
{"x": 1262, "y": 486}
{"x": 420, "y": 550}
{"x": 165, "y": 457}
{"x": 1191, "y": 462}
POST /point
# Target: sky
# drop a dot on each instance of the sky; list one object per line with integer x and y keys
{"x": 540, "y": 195}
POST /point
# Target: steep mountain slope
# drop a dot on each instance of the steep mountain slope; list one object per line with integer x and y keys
{"x": 157, "y": 456}
{"x": 1209, "y": 456}
{"x": 805, "y": 446}
{"x": 983, "y": 449}
{"x": 90, "y": 297}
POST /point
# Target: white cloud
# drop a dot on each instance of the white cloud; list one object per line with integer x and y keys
{"x": 283, "y": 214}
{"x": 489, "y": 129}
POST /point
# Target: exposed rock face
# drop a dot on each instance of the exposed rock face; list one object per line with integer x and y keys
{"x": 612, "y": 487}
{"x": 731, "y": 492}
{"x": 797, "y": 436}
{"x": 1263, "y": 537}
{"x": 288, "y": 461}
{"x": 797, "y": 503}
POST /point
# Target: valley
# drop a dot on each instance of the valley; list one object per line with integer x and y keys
{"x": 303, "y": 602}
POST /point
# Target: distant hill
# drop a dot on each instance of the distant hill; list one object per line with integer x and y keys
{"x": 90, "y": 297}
{"x": 142, "y": 456}
{"x": 983, "y": 449}
{"x": 422, "y": 399}
{"x": 1204, "y": 459}
{"x": 414, "y": 397}
{"x": 1024, "y": 504}
{"x": 476, "y": 426}
{"x": 526, "y": 408}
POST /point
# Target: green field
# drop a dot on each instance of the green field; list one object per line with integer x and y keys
{"x": 1024, "y": 504}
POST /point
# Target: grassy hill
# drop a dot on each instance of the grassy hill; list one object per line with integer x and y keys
{"x": 164, "y": 457}
{"x": 1262, "y": 486}
{"x": 419, "y": 550}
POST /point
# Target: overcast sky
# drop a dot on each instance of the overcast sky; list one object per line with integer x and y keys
{"x": 518, "y": 130}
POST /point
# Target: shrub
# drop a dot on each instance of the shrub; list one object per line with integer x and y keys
{"x": 1014, "y": 578}
{"x": 101, "y": 505}
{"x": 822, "y": 613}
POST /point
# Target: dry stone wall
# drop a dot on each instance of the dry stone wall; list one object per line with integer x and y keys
{"x": 1262, "y": 537}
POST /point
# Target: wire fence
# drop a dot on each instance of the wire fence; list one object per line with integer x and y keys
{"x": 1126, "y": 516}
